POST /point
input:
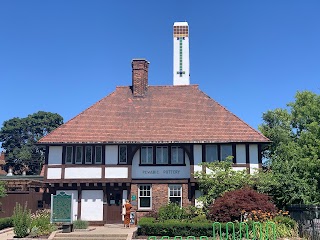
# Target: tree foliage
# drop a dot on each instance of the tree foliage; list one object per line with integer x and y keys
{"x": 19, "y": 137}
{"x": 293, "y": 157}
{"x": 233, "y": 204}
{"x": 220, "y": 178}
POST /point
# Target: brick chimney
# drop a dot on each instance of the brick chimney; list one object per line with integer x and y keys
{"x": 139, "y": 77}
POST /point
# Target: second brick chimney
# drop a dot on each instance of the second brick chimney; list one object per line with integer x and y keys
{"x": 139, "y": 77}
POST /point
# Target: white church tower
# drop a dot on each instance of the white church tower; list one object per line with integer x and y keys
{"x": 181, "y": 64}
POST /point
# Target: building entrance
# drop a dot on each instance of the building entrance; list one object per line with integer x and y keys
{"x": 114, "y": 206}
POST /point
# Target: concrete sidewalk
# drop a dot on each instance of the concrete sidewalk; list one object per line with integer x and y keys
{"x": 107, "y": 229}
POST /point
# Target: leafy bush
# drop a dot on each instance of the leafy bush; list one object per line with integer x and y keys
{"x": 6, "y": 222}
{"x": 232, "y": 205}
{"x": 172, "y": 211}
{"x": 40, "y": 223}
{"x": 80, "y": 224}
{"x": 21, "y": 220}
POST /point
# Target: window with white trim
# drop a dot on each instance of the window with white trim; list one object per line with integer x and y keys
{"x": 175, "y": 194}
{"x": 225, "y": 151}
{"x": 161, "y": 155}
{"x": 146, "y": 155}
{"x": 79, "y": 150}
{"x": 122, "y": 154}
{"x": 145, "y": 196}
{"x": 211, "y": 153}
{"x": 177, "y": 155}
{"x": 98, "y": 155}
{"x": 69, "y": 155}
{"x": 88, "y": 154}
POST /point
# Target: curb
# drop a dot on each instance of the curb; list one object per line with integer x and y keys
{"x": 6, "y": 230}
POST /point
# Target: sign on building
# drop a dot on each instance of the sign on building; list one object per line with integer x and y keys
{"x": 61, "y": 208}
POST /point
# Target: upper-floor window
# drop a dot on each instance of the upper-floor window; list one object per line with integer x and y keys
{"x": 216, "y": 152}
{"x": 161, "y": 155}
{"x": 88, "y": 154}
{"x": 225, "y": 151}
{"x": 122, "y": 154}
{"x": 79, "y": 150}
{"x": 69, "y": 154}
{"x": 177, "y": 156}
{"x": 158, "y": 155}
{"x": 98, "y": 155}
{"x": 211, "y": 153}
{"x": 146, "y": 155}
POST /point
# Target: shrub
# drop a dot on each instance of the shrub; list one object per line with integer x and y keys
{"x": 21, "y": 220}
{"x": 40, "y": 223}
{"x": 171, "y": 211}
{"x": 232, "y": 205}
{"x": 80, "y": 224}
{"x": 6, "y": 222}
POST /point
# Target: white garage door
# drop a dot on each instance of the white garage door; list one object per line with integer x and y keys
{"x": 92, "y": 205}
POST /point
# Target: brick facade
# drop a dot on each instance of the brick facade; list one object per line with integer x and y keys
{"x": 159, "y": 197}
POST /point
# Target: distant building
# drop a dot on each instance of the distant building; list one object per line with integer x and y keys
{"x": 2, "y": 163}
{"x": 144, "y": 143}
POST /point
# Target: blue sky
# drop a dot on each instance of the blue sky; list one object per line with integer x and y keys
{"x": 63, "y": 56}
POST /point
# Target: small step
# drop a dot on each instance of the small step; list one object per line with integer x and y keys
{"x": 79, "y": 235}
{"x": 89, "y": 238}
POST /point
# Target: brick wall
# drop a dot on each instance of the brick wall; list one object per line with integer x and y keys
{"x": 139, "y": 77}
{"x": 159, "y": 197}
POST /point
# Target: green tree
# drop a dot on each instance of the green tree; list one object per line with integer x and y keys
{"x": 19, "y": 137}
{"x": 221, "y": 178}
{"x": 293, "y": 157}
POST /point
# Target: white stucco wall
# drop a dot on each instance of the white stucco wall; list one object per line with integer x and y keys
{"x": 74, "y": 201}
{"x": 54, "y": 173}
{"x": 92, "y": 205}
{"x": 82, "y": 172}
{"x": 159, "y": 172}
{"x": 253, "y": 153}
{"x": 197, "y": 155}
{"x": 111, "y": 154}
{"x": 241, "y": 153}
{"x": 239, "y": 168}
{"x": 116, "y": 172}
{"x": 254, "y": 168}
{"x": 55, "y": 155}
{"x": 197, "y": 202}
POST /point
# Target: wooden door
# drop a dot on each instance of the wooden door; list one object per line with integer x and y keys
{"x": 114, "y": 206}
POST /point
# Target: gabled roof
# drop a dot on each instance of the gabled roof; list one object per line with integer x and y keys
{"x": 167, "y": 114}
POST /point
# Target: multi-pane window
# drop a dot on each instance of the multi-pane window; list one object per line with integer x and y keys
{"x": 146, "y": 155}
{"x": 177, "y": 155}
{"x": 175, "y": 194}
{"x": 88, "y": 154}
{"x": 98, "y": 155}
{"x": 122, "y": 154}
{"x": 79, "y": 151}
{"x": 161, "y": 155}
{"x": 225, "y": 151}
{"x": 144, "y": 195}
{"x": 211, "y": 153}
{"x": 69, "y": 154}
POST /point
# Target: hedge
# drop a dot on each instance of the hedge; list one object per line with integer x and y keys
{"x": 173, "y": 228}
{"x": 6, "y": 222}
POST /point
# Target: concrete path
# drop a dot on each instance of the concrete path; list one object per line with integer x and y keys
{"x": 108, "y": 229}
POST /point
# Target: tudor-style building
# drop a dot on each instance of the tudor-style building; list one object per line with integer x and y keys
{"x": 144, "y": 143}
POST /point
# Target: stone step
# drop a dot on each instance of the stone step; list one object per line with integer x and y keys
{"x": 91, "y": 238}
{"x": 80, "y": 236}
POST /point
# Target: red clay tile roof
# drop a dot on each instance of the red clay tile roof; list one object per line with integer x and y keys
{"x": 167, "y": 114}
